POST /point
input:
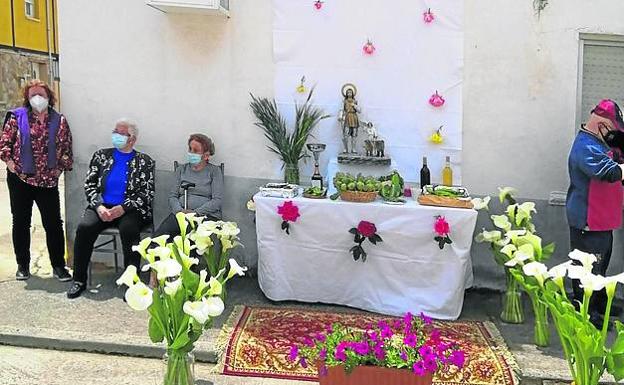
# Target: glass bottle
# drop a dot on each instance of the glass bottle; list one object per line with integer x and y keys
{"x": 447, "y": 173}
{"x": 425, "y": 175}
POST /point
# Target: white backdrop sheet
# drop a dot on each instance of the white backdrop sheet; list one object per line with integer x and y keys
{"x": 405, "y": 272}
{"x": 412, "y": 60}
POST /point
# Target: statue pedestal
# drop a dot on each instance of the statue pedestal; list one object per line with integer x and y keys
{"x": 359, "y": 164}
{"x": 357, "y": 159}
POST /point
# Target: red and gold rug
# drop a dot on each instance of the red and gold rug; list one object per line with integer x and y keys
{"x": 256, "y": 341}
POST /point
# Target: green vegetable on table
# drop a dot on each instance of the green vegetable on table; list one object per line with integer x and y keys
{"x": 315, "y": 191}
{"x": 392, "y": 187}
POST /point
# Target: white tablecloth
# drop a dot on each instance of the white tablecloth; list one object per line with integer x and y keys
{"x": 405, "y": 272}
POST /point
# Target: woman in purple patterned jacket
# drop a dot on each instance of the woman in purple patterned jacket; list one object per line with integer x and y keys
{"x": 36, "y": 145}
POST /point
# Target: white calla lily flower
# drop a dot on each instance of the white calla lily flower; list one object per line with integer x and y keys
{"x": 509, "y": 250}
{"x": 560, "y": 270}
{"x": 251, "y": 205}
{"x": 165, "y": 268}
{"x": 215, "y": 306}
{"x": 129, "y": 277}
{"x": 504, "y": 192}
{"x": 235, "y": 268}
{"x": 139, "y": 296}
{"x": 230, "y": 229}
{"x": 161, "y": 252}
{"x": 202, "y": 239}
{"x": 172, "y": 287}
{"x": 141, "y": 248}
{"x": 593, "y": 282}
{"x": 611, "y": 283}
{"x": 577, "y": 272}
{"x": 481, "y": 203}
{"x": 226, "y": 244}
{"x": 202, "y": 283}
{"x": 537, "y": 270}
{"x": 215, "y": 287}
{"x": 524, "y": 212}
{"x": 515, "y": 234}
{"x": 501, "y": 221}
{"x": 488, "y": 236}
{"x": 198, "y": 310}
{"x": 503, "y": 242}
{"x": 586, "y": 259}
{"x": 511, "y": 212}
{"x": 161, "y": 240}
{"x": 181, "y": 218}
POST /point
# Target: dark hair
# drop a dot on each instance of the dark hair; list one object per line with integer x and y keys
{"x": 206, "y": 143}
{"x": 39, "y": 83}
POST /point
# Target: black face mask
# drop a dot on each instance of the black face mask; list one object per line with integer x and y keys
{"x": 613, "y": 139}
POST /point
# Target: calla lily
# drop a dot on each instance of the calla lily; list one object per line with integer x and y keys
{"x": 586, "y": 259}
{"x": 537, "y": 270}
{"x": 161, "y": 240}
{"x": 139, "y": 296}
{"x": 501, "y": 221}
{"x": 592, "y": 282}
{"x": 198, "y": 310}
{"x": 230, "y": 229}
{"x": 215, "y": 306}
{"x": 202, "y": 283}
{"x": 181, "y": 218}
{"x": 524, "y": 212}
{"x": 235, "y": 268}
{"x": 141, "y": 248}
{"x": 481, "y": 203}
{"x": 202, "y": 239}
{"x": 165, "y": 268}
{"x": 508, "y": 250}
{"x": 188, "y": 261}
{"x": 511, "y": 212}
{"x": 533, "y": 240}
{"x": 514, "y": 234}
{"x": 502, "y": 242}
{"x": 251, "y": 205}
{"x": 488, "y": 236}
{"x": 129, "y": 277}
{"x": 611, "y": 283}
{"x": 226, "y": 244}
{"x": 183, "y": 244}
{"x": 560, "y": 270}
{"x": 577, "y": 272}
{"x": 216, "y": 288}
{"x": 160, "y": 251}
{"x": 524, "y": 253}
{"x": 504, "y": 192}
{"x": 172, "y": 287}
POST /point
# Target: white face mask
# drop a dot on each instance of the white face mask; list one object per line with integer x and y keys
{"x": 39, "y": 103}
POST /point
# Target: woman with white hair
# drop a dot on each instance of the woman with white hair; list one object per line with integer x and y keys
{"x": 120, "y": 189}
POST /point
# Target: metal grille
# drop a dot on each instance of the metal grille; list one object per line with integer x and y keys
{"x": 603, "y": 75}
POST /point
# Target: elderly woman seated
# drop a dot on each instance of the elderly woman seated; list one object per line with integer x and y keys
{"x": 120, "y": 189}
{"x": 206, "y": 181}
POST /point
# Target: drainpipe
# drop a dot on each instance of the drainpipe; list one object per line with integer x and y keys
{"x": 50, "y": 61}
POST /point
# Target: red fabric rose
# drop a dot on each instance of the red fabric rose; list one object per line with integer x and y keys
{"x": 367, "y": 229}
{"x": 288, "y": 211}
{"x": 441, "y": 226}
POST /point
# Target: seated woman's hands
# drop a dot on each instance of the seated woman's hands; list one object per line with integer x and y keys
{"x": 108, "y": 215}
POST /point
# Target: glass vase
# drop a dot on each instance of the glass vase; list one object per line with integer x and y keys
{"x": 291, "y": 173}
{"x": 512, "y": 302}
{"x": 179, "y": 368}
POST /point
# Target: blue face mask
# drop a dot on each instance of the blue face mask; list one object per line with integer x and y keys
{"x": 119, "y": 141}
{"x": 193, "y": 158}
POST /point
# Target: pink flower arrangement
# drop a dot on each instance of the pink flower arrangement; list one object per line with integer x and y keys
{"x": 436, "y": 100}
{"x": 289, "y": 212}
{"x": 369, "y": 47}
{"x": 364, "y": 230}
{"x": 442, "y": 230}
{"x": 428, "y": 16}
{"x": 422, "y": 348}
{"x": 318, "y": 4}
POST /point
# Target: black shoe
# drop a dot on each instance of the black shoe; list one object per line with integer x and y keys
{"x": 23, "y": 273}
{"x": 61, "y": 274}
{"x": 75, "y": 290}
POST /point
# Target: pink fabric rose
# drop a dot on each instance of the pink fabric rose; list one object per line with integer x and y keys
{"x": 288, "y": 211}
{"x": 367, "y": 229}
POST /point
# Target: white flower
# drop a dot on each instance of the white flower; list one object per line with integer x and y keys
{"x": 503, "y": 242}
{"x": 524, "y": 212}
{"x": 251, "y": 205}
{"x": 230, "y": 229}
{"x": 202, "y": 239}
{"x": 172, "y": 287}
{"x": 577, "y": 272}
{"x": 198, "y": 310}
{"x": 216, "y": 288}
{"x": 160, "y": 251}
{"x": 488, "y": 236}
{"x": 586, "y": 259}
{"x": 501, "y": 221}
{"x": 480, "y": 204}
{"x": 215, "y": 306}
{"x": 592, "y": 282}
{"x": 129, "y": 277}
{"x": 524, "y": 252}
{"x": 141, "y": 248}
{"x": 161, "y": 240}
{"x": 514, "y": 234}
{"x": 181, "y": 218}
{"x": 611, "y": 283}
{"x": 202, "y": 283}
{"x": 560, "y": 270}
{"x": 504, "y": 192}
{"x": 166, "y": 268}
{"x": 235, "y": 268}
{"x": 226, "y": 244}
{"x": 508, "y": 250}
{"x": 183, "y": 245}
{"x": 537, "y": 270}
{"x": 139, "y": 296}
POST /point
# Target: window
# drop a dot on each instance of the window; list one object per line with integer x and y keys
{"x": 31, "y": 8}
{"x": 601, "y": 72}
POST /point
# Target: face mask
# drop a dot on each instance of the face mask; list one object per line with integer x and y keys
{"x": 38, "y": 103}
{"x": 119, "y": 141}
{"x": 193, "y": 158}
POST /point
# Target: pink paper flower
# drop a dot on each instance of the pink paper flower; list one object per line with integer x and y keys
{"x": 318, "y": 4}
{"x": 369, "y": 48}
{"x": 441, "y": 226}
{"x": 367, "y": 229}
{"x": 289, "y": 211}
{"x": 428, "y": 16}
{"x": 436, "y": 100}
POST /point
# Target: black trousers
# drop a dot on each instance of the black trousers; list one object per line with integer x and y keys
{"x": 90, "y": 227}
{"x": 599, "y": 243}
{"x": 170, "y": 226}
{"x": 22, "y": 196}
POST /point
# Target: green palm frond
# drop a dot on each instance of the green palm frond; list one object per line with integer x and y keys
{"x": 287, "y": 145}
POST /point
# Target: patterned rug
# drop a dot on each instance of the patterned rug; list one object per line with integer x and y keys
{"x": 256, "y": 341}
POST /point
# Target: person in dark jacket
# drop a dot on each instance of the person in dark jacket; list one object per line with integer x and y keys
{"x": 120, "y": 190}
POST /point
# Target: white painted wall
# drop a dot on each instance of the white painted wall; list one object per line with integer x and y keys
{"x": 178, "y": 74}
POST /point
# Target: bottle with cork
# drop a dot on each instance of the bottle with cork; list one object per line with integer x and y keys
{"x": 447, "y": 173}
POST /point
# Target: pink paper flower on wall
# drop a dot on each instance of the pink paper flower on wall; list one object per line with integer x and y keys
{"x": 369, "y": 47}
{"x": 318, "y": 4}
{"x": 428, "y": 16}
{"x": 289, "y": 213}
{"x": 436, "y": 100}
{"x": 442, "y": 230}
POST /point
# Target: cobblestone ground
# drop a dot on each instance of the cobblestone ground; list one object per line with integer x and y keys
{"x": 40, "y": 262}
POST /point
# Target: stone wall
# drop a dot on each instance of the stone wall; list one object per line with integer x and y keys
{"x": 15, "y": 69}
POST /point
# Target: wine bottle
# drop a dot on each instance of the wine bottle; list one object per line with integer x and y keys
{"x": 425, "y": 175}
{"x": 447, "y": 173}
{"x": 317, "y": 178}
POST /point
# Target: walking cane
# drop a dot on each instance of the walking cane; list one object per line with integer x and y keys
{"x": 185, "y": 185}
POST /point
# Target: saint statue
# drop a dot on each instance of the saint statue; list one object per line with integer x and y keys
{"x": 349, "y": 117}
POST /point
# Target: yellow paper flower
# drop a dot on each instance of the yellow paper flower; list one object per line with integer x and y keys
{"x": 436, "y": 137}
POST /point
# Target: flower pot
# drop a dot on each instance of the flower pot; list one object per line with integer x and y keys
{"x": 373, "y": 375}
{"x": 291, "y": 173}
{"x": 179, "y": 368}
